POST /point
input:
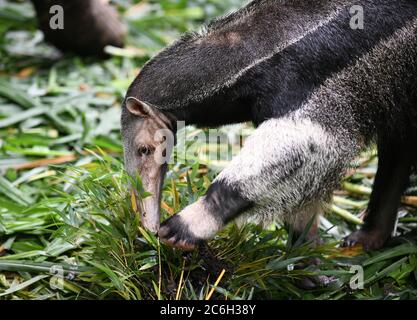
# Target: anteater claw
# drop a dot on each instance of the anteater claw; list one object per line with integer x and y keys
{"x": 368, "y": 239}
{"x": 175, "y": 234}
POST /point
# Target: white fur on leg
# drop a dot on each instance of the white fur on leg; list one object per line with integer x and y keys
{"x": 201, "y": 223}
{"x": 288, "y": 167}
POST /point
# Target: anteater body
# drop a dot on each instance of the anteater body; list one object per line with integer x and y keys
{"x": 319, "y": 92}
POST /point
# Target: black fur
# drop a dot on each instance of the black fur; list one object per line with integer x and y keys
{"x": 176, "y": 231}
{"x": 225, "y": 201}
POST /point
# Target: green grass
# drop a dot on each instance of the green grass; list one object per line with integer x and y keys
{"x": 67, "y": 227}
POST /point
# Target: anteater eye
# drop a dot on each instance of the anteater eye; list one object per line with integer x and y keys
{"x": 144, "y": 151}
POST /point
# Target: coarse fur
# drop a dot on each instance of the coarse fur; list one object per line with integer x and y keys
{"x": 318, "y": 91}
{"x": 301, "y": 164}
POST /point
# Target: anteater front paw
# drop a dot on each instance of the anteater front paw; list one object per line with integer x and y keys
{"x": 191, "y": 226}
{"x": 175, "y": 233}
{"x": 369, "y": 239}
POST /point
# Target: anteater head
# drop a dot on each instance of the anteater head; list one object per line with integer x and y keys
{"x": 148, "y": 139}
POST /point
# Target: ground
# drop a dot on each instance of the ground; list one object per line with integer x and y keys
{"x": 68, "y": 229}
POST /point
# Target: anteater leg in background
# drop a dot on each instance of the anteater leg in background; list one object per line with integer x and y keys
{"x": 88, "y": 26}
{"x": 304, "y": 224}
{"x": 392, "y": 177}
{"x": 298, "y": 237}
{"x": 305, "y": 230}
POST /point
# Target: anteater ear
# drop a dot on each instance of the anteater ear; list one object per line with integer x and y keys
{"x": 138, "y": 108}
